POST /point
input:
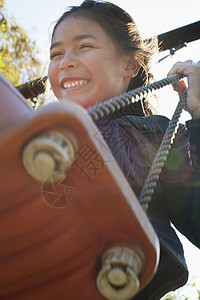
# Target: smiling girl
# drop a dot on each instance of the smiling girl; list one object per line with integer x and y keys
{"x": 96, "y": 54}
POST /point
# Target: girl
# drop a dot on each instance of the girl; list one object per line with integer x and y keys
{"x": 96, "y": 54}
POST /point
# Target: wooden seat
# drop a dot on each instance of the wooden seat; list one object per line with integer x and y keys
{"x": 53, "y": 234}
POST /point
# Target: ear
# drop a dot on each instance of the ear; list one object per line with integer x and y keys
{"x": 132, "y": 67}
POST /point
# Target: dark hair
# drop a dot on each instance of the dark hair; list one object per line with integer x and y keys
{"x": 120, "y": 26}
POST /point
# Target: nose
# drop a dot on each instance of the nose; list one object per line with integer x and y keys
{"x": 67, "y": 62}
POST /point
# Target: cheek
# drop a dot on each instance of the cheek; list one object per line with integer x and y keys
{"x": 52, "y": 74}
{"x": 98, "y": 69}
{"x": 95, "y": 63}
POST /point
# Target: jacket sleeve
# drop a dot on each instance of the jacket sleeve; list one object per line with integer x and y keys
{"x": 180, "y": 182}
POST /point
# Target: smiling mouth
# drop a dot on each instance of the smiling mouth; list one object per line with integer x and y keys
{"x": 74, "y": 83}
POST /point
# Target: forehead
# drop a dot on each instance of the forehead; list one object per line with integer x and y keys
{"x": 74, "y": 26}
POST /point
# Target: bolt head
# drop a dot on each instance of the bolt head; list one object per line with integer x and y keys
{"x": 117, "y": 277}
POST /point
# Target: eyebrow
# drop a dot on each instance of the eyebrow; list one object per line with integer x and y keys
{"x": 84, "y": 36}
{"x": 56, "y": 44}
{"x": 76, "y": 38}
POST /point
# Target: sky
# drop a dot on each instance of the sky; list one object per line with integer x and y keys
{"x": 152, "y": 18}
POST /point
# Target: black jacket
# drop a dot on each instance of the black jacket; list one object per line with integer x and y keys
{"x": 134, "y": 141}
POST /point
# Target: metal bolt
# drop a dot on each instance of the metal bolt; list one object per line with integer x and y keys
{"x": 118, "y": 278}
{"x": 44, "y": 163}
{"x": 46, "y": 154}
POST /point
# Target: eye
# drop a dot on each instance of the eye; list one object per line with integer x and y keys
{"x": 55, "y": 54}
{"x": 86, "y": 46}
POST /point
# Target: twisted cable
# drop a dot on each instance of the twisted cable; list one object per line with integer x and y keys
{"x": 99, "y": 110}
{"x": 161, "y": 156}
{"x": 108, "y": 107}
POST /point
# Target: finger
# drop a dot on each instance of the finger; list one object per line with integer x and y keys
{"x": 171, "y": 71}
{"x": 180, "y": 67}
{"x": 179, "y": 87}
{"x": 189, "y": 61}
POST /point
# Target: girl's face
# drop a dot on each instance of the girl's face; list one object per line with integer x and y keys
{"x": 85, "y": 65}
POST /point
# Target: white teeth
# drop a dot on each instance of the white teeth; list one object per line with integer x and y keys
{"x": 68, "y": 85}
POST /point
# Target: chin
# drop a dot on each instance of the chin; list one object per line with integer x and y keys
{"x": 84, "y": 103}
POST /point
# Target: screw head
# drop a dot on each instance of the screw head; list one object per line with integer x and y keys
{"x": 46, "y": 154}
{"x": 44, "y": 163}
{"x": 118, "y": 278}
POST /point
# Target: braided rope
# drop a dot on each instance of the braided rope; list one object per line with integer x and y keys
{"x": 161, "y": 156}
{"x": 99, "y": 110}
{"x": 108, "y": 107}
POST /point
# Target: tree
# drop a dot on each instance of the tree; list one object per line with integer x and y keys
{"x": 18, "y": 62}
{"x": 1, "y": 3}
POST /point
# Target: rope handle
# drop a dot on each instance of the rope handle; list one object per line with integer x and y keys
{"x": 162, "y": 154}
{"x": 101, "y": 109}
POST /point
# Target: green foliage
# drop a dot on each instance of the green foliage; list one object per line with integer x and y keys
{"x": 191, "y": 291}
{"x": 18, "y": 62}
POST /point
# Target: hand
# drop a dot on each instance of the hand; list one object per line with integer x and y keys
{"x": 192, "y": 71}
